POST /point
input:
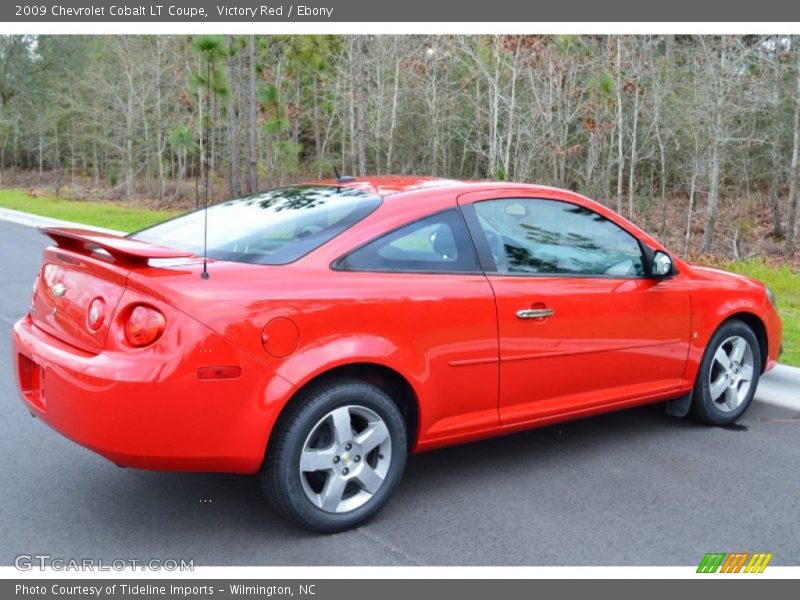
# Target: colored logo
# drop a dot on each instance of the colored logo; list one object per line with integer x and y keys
{"x": 737, "y": 562}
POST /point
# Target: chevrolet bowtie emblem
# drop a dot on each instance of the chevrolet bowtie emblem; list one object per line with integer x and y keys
{"x": 58, "y": 290}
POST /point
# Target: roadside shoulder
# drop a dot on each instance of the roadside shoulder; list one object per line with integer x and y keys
{"x": 31, "y": 220}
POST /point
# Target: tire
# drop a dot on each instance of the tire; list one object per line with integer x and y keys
{"x": 352, "y": 440}
{"x": 722, "y": 390}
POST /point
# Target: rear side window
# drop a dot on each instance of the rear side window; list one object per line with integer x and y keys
{"x": 271, "y": 228}
{"x": 439, "y": 243}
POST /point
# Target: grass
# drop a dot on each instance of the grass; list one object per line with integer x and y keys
{"x": 786, "y": 284}
{"x": 100, "y": 214}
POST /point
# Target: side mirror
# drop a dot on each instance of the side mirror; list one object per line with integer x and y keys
{"x": 662, "y": 265}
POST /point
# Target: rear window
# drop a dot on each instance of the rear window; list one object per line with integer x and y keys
{"x": 270, "y": 228}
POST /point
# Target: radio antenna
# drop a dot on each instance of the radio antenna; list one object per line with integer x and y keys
{"x": 204, "y": 274}
{"x": 342, "y": 178}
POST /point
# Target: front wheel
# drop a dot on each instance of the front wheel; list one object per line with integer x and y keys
{"x": 336, "y": 456}
{"x": 728, "y": 375}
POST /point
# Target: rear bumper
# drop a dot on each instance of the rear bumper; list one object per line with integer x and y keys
{"x": 147, "y": 409}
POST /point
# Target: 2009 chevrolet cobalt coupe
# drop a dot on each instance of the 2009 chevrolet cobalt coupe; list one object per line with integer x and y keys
{"x": 344, "y": 324}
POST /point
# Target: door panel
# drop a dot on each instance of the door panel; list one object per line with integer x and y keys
{"x": 579, "y": 324}
{"x": 607, "y": 340}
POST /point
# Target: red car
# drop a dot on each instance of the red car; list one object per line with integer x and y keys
{"x": 344, "y": 324}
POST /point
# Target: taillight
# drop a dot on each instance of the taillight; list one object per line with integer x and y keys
{"x": 96, "y": 314}
{"x": 144, "y": 326}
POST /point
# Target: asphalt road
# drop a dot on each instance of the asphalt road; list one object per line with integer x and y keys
{"x": 632, "y": 488}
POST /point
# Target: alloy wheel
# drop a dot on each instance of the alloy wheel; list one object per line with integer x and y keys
{"x": 731, "y": 374}
{"x": 345, "y": 459}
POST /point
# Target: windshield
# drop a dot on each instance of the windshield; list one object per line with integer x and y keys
{"x": 269, "y": 228}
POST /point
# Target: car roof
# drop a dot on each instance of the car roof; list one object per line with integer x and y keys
{"x": 388, "y": 185}
{"x": 392, "y": 185}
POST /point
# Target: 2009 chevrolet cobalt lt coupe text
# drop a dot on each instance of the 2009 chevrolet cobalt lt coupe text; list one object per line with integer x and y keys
{"x": 346, "y": 323}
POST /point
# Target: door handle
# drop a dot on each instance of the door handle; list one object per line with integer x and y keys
{"x": 535, "y": 313}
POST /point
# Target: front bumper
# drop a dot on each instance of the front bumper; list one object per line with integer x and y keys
{"x": 774, "y": 331}
{"x": 147, "y": 409}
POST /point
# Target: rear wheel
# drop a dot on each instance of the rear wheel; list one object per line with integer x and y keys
{"x": 728, "y": 375}
{"x": 336, "y": 456}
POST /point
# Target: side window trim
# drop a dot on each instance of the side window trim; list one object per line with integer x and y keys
{"x": 489, "y": 266}
{"x": 337, "y": 264}
{"x": 478, "y": 238}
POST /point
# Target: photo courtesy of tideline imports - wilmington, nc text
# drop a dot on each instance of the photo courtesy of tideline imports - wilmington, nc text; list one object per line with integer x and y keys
{"x": 172, "y": 590}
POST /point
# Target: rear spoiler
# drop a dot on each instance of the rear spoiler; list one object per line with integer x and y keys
{"x": 119, "y": 247}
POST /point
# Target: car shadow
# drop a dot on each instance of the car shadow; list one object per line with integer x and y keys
{"x": 89, "y": 507}
{"x": 208, "y": 512}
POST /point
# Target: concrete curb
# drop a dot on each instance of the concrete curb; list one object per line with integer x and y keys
{"x": 29, "y": 220}
{"x": 780, "y": 387}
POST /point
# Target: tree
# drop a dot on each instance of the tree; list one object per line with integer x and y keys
{"x": 252, "y": 110}
{"x": 643, "y": 123}
{"x": 210, "y": 83}
{"x": 234, "y": 184}
{"x": 793, "y": 168}
{"x": 360, "y": 99}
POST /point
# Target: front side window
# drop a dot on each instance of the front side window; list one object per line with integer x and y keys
{"x": 270, "y": 228}
{"x": 532, "y": 236}
{"x": 439, "y": 243}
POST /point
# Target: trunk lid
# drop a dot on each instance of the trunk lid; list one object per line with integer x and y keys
{"x": 83, "y": 266}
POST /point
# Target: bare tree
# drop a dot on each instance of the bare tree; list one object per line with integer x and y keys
{"x": 793, "y": 168}
{"x": 620, "y": 155}
{"x": 360, "y": 108}
{"x": 252, "y": 110}
{"x": 234, "y": 186}
{"x": 718, "y": 134}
